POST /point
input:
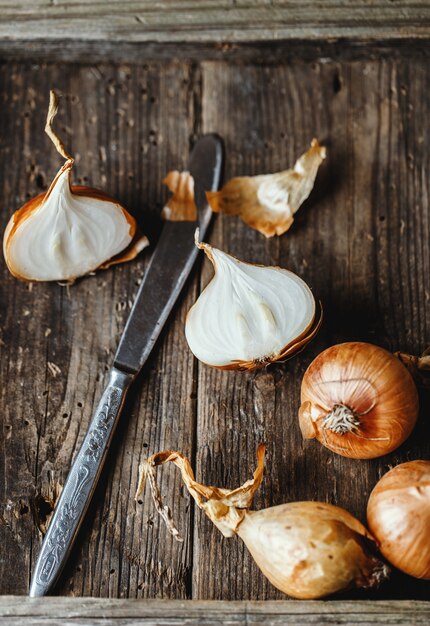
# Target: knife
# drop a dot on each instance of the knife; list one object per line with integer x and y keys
{"x": 167, "y": 272}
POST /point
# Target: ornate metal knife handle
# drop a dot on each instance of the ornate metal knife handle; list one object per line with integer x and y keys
{"x": 79, "y": 486}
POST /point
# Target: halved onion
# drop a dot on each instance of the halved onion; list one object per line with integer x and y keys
{"x": 69, "y": 231}
{"x": 250, "y": 315}
{"x": 268, "y": 202}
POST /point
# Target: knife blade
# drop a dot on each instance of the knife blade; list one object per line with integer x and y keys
{"x": 163, "y": 281}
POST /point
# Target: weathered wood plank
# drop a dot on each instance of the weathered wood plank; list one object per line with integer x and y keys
{"x": 93, "y": 611}
{"x": 361, "y": 242}
{"x": 211, "y": 21}
{"x": 118, "y": 121}
{"x": 266, "y": 52}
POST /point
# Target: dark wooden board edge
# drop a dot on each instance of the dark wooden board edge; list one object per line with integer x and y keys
{"x": 92, "y": 611}
{"x": 267, "y": 52}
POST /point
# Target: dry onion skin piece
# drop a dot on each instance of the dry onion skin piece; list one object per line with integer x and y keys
{"x": 308, "y": 550}
{"x": 358, "y": 400}
{"x": 70, "y": 230}
{"x": 398, "y": 514}
{"x": 419, "y": 366}
{"x": 181, "y": 207}
{"x": 269, "y": 202}
{"x": 249, "y": 315}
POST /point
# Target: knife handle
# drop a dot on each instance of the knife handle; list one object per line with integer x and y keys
{"x": 80, "y": 484}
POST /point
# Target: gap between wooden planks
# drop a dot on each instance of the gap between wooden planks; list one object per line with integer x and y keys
{"x": 93, "y": 611}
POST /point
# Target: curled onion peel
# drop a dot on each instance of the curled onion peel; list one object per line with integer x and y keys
{"x": 249, "y": 315}
{"x": 398, "y": 514}
{"x": 181, "y": 206}
{"x": 306, "y": 549}
{"x": 269, "y": 202}
{"x": 70, "y": 230}
{"x": 358, "y": 400}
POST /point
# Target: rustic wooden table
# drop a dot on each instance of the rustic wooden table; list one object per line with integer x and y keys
{"x": 362, "y": 241}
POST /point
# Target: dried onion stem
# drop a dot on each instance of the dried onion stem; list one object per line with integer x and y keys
{"x": 306, "y": 549}
{"x": 49, "y": 129}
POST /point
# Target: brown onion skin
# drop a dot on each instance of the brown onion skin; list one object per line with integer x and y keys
{"x": 398, "y": 515}
{"x": 370, "y": 381}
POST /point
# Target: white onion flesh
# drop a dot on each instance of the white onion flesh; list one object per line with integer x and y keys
{"x": 67, "y": 235}
{"x": 247, "y": 313}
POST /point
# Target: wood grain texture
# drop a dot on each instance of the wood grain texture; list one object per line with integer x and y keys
{"x": 94, "y": 611}
{"x": 212, "y": 21}
{"x": 118, "y": 122}
{"x": 258, "y": 52}
{"x": 361, "y": 242}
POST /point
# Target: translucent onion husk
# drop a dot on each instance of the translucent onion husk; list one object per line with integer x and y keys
{"x": 398, "y": 514}
{"x": 70, "y": 230}
{"x": 181, "y": 206}
{"x": 268, "y": 202}
{"x": 251, "y": 301}
{"x": 358, "y": 400}
{"x": 306, "y": 549}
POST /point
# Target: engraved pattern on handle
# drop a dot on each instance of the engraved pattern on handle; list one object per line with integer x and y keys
{"x": 65, "y": 524}
{"x": 78, "y": 489}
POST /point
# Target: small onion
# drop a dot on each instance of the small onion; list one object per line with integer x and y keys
{"x": 358, "y": 400}
{"x": 306, "y": 549}
{"x": 316, "y": 549}
{"x": 398, "y": 515}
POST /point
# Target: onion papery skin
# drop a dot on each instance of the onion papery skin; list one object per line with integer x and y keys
{"x": 181, "y": 206}
{"x": 310, "y": 550}
{"x": 250, "y": 315}
{"x": 68, "y": 232}
{"x": 268, "y": 202}
{"x": 398, "y": 514}
{"x": 370, "y": 382}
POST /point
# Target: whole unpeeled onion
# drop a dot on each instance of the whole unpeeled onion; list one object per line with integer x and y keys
{"x": 311, "y": 550}
{"x": 306, "y": 549}
{"x": 398, "y": 514}
{"x": 358, "y": 400}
